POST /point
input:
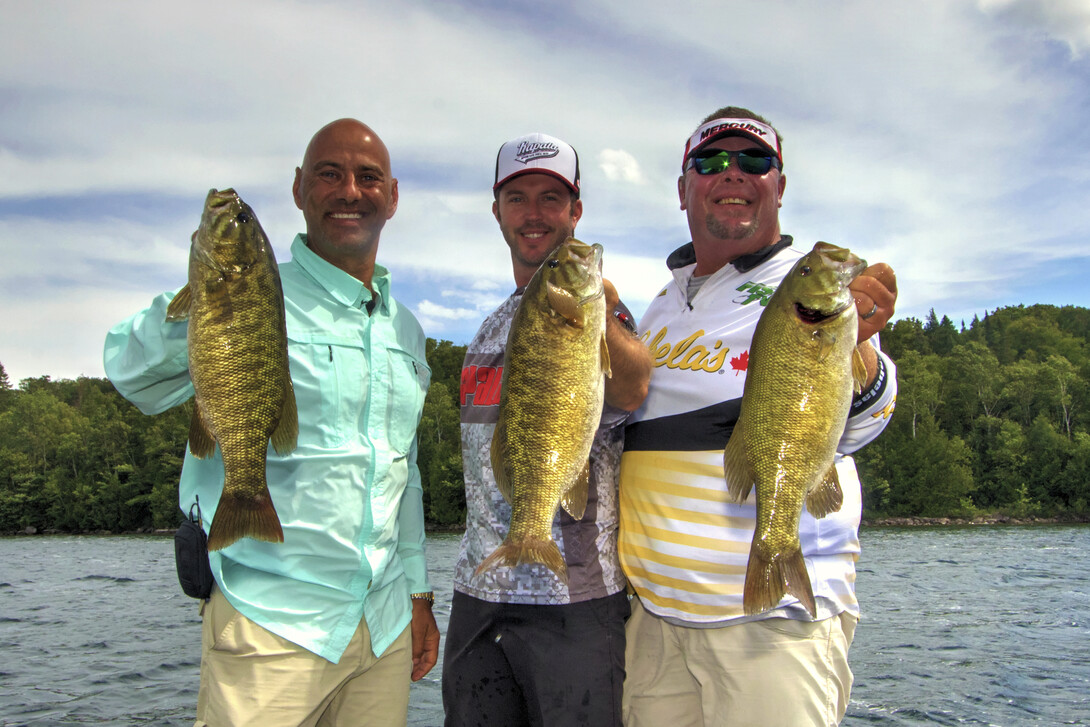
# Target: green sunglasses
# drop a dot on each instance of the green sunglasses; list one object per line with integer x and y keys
{"x": 753, "y": 161}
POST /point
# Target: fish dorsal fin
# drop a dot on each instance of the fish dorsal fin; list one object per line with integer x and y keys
{"x": 286, "y": 435}
{"x": 859, "y": 371}
{"x": 565, "y": 304}
{"x": 606, "y": 368}
{"x": 736, "y": 469}
{"x": 825, "y": 341}
{"x": 201, "y": 442}
{"x": 827, "y": 496}
{"x": 574, "y": 500}
{"x": 498, "y": 454}
{"x": 178, "y": 310}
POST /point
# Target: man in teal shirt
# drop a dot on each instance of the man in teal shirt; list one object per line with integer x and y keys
{"x": 328, "y": 626}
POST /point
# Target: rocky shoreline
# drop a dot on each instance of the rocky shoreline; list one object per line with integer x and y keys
{"x": 884, "y": 522}
{"x": 902, "y": 522}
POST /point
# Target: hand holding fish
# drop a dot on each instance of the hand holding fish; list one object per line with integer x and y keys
{"x": 875, "y": 293}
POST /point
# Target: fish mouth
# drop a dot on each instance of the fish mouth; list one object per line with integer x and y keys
{"x": 813, "y": 317}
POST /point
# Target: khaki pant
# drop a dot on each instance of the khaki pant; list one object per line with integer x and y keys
{"x": 250, "y": 676}
{"x": 775, "y": 673}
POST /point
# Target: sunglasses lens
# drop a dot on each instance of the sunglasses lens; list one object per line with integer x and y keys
{"x": 712, "y": 164}
{"x": 754, "y": 164}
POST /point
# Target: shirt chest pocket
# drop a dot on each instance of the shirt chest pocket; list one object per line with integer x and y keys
{"x": 331, "y": 378}
{"x": 408, "y": 386}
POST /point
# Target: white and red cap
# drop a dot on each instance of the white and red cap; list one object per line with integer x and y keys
{"x": 541, "y": 154}
{"x": 760, "y": 132}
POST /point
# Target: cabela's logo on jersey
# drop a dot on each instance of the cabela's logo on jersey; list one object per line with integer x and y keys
{"x": 528, "y": 151}
{"x": 686, "y": 354}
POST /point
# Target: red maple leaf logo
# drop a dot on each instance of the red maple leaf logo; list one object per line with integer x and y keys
{"x": 740, "y": 363}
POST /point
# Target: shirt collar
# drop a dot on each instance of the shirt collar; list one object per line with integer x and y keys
{"x": 686, "y": 255}
{"x": 343, "y": 287}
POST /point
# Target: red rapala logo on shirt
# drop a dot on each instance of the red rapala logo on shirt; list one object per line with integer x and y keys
{"x": 483, "y": 384}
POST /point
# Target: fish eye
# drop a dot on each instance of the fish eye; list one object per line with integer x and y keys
{"x": 553, "y": 263}
{"x": 243, "y": 218}
{"x": 804, "y": 270}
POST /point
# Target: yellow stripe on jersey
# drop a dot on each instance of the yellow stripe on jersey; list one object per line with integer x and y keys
{"x": 719, "y": 610}
{"x": 644, "y": 531}
{"x": 689, "y": 565}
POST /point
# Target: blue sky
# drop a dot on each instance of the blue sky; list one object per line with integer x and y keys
{"x": 949, "y": 138}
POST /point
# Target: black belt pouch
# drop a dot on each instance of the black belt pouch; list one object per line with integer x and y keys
{"x": 191, "y": 556}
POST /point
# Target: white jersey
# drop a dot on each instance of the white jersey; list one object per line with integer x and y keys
{"x": 683, "y": 545}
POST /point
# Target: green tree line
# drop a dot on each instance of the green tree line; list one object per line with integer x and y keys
{"x": 991, "y": 418}
{"x": 77, "y": 457}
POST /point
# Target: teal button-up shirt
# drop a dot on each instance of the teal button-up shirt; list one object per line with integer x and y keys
{"x": 349, "y": 496}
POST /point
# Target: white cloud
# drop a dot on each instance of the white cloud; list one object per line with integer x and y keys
{"x": 948, "y": 139}
{"x": 1068, "y": 21}
{"x": 620, "y": 166}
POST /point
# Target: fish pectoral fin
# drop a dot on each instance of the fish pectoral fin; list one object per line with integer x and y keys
{"x": 286, "y": 435}
{"x": 736, "y": 470}
{"x": 201, "y": 442}
{"x": 565, "y": 305}
{"x": 826, "y": 341}
{"x": 498, "y": 455}
{"x": 827, "y": 496}
{"x": 605, "y": 358}
{"x": 859, "y": 371}
{"x": 574, "y": 501}
{"x": 178, "y": 310}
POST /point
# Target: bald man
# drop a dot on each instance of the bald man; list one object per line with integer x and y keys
{"x": 330, "y": 626}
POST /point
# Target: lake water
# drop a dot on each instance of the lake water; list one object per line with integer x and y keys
{"x": 962, "y": 626}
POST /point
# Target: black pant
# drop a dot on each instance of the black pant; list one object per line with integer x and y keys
{"x": 541, "y": 666}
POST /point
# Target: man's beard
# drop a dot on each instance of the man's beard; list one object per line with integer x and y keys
{"x": 737, "y": 231}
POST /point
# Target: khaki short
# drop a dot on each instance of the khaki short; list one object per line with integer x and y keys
{"x": 775, "y": 673}
{"x": 250, "y": 676}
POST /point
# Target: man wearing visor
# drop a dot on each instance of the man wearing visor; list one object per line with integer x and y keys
{"x": 693, "y": 656}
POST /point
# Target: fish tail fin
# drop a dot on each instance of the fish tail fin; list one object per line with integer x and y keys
{"x": 768, "y": 580}
{"x": 827, "y": 496}
{"x": 736, "y": 469}
{"x": 527, "y": 551}
{"x": 244, "y": 517}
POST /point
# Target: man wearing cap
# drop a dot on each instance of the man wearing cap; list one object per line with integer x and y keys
{"x": 522, "y": 646}
{"x": 693, "y": 656}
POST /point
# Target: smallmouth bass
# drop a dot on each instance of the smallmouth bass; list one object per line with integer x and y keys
{"x": 551, "y": 399}
{"x": 238, "y": 361}
{"x": 803, "y": 370}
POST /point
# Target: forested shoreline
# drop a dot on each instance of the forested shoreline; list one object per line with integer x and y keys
{"x": 991, "y": 426}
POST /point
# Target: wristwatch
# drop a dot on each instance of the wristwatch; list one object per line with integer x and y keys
{"x": 426, "y": 596}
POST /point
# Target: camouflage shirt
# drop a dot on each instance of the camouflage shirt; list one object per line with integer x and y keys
{"x": 589, "y": 545}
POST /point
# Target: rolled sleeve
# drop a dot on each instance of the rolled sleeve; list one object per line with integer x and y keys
{"x": 145, "y": 358}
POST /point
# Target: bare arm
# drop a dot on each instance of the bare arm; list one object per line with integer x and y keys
{"x": 629, "y": 359}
